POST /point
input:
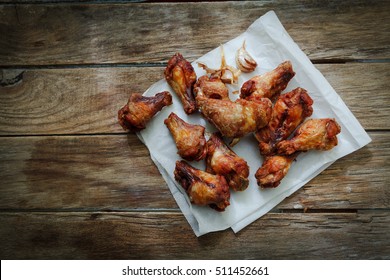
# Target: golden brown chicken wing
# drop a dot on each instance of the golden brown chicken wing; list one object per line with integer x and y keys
{"x": 181, "y": 76}
{"x": 235, "y": 119}
{"x": 314, "y": 134}
{"x": 273, "y": 170}
{"x": 140, "y": 109}
{"x": 290, "y": 110}
{"x": 270, "y": 84}
{"x": 223, "y": 161}
{"x": 202, "y": 187}
{"x": 189, "y": 139}
{"x": 212, "y": 87}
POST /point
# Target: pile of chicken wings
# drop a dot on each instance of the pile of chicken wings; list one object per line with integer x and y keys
{"x": 277, "y": 121}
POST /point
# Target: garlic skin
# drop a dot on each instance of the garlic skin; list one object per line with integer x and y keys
{"x": 228, "y": 74}
{"x": 244, "y": 60}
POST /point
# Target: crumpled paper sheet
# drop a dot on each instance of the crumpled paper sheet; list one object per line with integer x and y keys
{"x": 270, "y": 44}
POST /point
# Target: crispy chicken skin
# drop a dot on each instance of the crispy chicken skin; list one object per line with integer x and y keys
{"x": 212, "y": 87}
{"x": 202, "y": 187}
{"x": 235, "y": 119}
{"x": 270, "y": 84}
{"x": 313, "y": 134}
{"x": 181, "y": 76}
{"x": 223, "y": 161}
{"x": 140, "y": 109}
{"x": 273, "y": 170}
{"x": 289, "y": 111}
{"x": 189, "y": 139}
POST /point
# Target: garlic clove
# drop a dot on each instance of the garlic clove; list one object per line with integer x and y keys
{"x": 244, "y": 60}
{"x": 228, "y": 74}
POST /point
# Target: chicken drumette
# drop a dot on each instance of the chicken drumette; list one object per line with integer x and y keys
{"x": 290, "y": 110}
{"x": 270, "y": 84}
{"x": 273, "y": 170}
{"x": 189, "y": 139}
{"x": 181, "y": 76}
{"x": 212, "y": 87}
{"x": 235, "y": 119}
{"x": 314, "y": 134}
{"x": 202, "y": 187}
{"x": 223, "y": 161}
{"x": 140, "y": 109}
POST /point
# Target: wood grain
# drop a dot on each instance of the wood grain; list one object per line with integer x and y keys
{"x": 96, "y": 235}
{"x": 86, "y": 34}
{"x": 62, "y": 101}
{"x": 116, "y": 172}
{"x": 86, "y": 100}
{"x": 108, "y": 172}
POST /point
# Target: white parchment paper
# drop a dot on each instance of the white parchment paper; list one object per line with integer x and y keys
{"x": 269, "y": 43}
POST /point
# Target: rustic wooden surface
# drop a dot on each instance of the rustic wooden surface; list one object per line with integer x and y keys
{"x": 73, "y": 185}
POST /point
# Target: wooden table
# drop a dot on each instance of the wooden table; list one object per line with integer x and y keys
{"x": 74, "y": 185}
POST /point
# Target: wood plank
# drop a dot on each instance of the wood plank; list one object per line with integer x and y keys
{"x": 86, "y": 100}
{"x": 116, "y": 172}
{"x": 113, "y": 172}
{"x": 61, "y": 101}
{"x": 136, "y": 32}
{"x": 96, "y": 235}
{"x": 364, "y": 89}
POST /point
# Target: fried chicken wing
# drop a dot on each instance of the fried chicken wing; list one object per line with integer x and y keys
{"x": 268, "y": 85}
{"x": 140, "y": 109}
{"x": 212, "y": 87}
{"x": 290, "y": 110}
{"x": 223, "y": 161}
{"x": 235, "y": 119}
{"x": 181, "y": 76}
{"x": 189, "y": 139}
{"x": 313, "y": 134}
{"x": 202, "y": 187}
{"x": 273, "y": 170}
